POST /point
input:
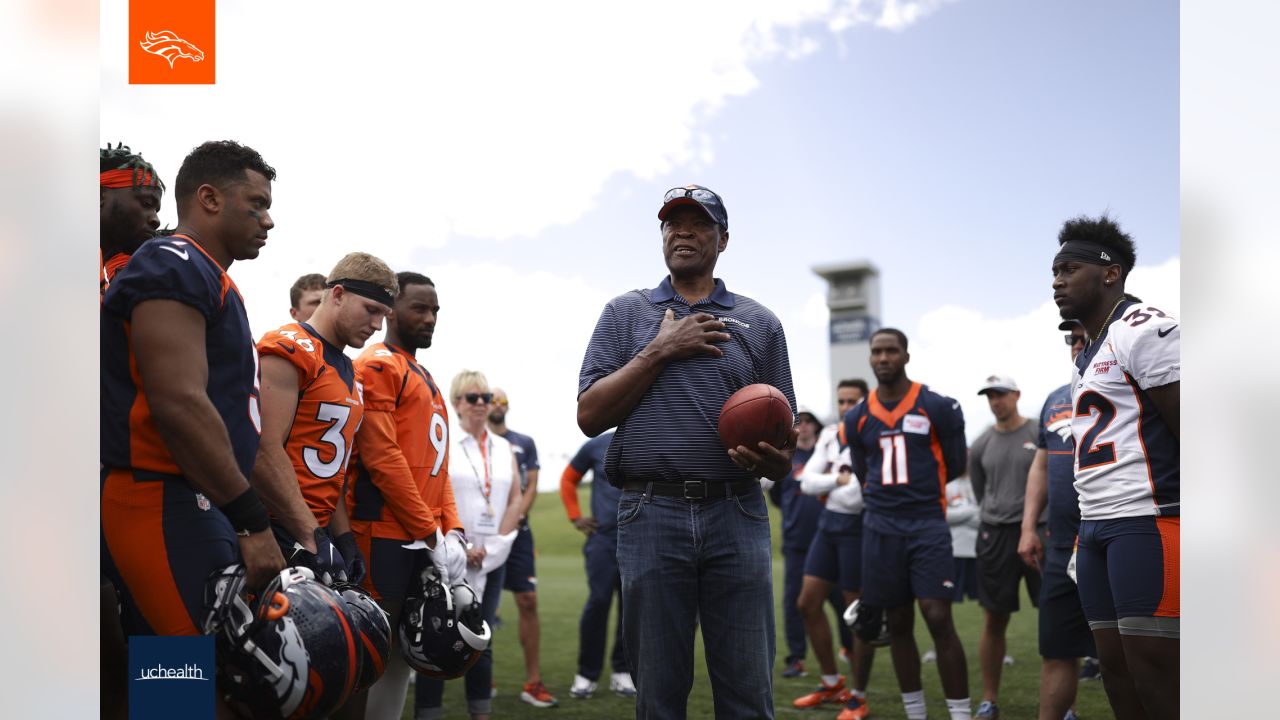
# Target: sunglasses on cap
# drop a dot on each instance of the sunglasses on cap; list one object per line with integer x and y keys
{"x": 476, "y": 398}
{"x": 699, "y": 194}
{"x": 1072, "y": 339}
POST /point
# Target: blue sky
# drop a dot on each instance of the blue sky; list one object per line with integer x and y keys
{"x": 520, "y": 162}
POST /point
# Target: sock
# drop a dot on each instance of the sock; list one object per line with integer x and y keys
{"x": 959, "y": 709}
{"x": 860, "y": 694}
{"x": 913, "y": 703}
{"x": 830, "y": 680}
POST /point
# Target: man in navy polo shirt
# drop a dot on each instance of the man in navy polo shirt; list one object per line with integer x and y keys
{"x": 693, "y": 529}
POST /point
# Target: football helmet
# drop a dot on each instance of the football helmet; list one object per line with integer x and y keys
{"x": 372, "y": 629}
{"x": 442, "y": 630}
{"x": 288, "y": 652}
{"x": 868, "y": 623}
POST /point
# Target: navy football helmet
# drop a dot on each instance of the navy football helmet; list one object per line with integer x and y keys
{"x": 288, "y": 652}
{"x": 868, "y": 623}
{"x": 442, "y": 629}
{"x": 372, "y": 629}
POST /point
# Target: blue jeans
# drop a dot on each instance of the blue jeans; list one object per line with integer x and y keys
{"x": 429, "y": 692}
{"x": 601, "y": 553}
{"x": 688, "y": 562}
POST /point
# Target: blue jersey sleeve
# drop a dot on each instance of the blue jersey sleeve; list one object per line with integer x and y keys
{"x": 531, "y": 454}
{"x": 857, "y": 451}
{"x": 951, "y": 436}
{"x": 166, "y": 269}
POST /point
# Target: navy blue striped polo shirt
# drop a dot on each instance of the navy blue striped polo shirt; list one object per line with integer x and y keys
{"x": 670, "y": 435}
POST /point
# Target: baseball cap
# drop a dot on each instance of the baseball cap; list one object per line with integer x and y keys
{"x": 1003, "y": 383}
{"x": 1069, "y": 324}
{"x": 697, "y": 196}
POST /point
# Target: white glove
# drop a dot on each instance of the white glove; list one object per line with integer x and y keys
{"x": 1071, "y": 567}
{"x": 454, "y": 550}
{"x": 438, "y": 558}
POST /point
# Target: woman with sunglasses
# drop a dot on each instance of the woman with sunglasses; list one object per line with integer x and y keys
{"x": 483, "y": 472}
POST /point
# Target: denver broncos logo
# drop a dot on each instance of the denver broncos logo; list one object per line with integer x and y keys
{"x": 169, "y": 46}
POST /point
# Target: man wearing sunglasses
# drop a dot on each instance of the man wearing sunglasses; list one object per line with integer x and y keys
{"x": 693, "y": 528}
{"x": 1064, "y": 633}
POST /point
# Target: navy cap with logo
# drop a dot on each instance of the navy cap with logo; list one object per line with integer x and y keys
{"x": 696, "y": 196}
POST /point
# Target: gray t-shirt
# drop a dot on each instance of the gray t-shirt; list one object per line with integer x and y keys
{"x": 998, "y": 465}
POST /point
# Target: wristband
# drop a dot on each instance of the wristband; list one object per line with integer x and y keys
{"x": 247, "y": 513}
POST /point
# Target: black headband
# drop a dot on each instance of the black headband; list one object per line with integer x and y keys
{"x": 362, "y": 288}
{"x": 1087, "y": 252}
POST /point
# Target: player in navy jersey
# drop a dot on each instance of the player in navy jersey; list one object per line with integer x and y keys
{"x": 179, "y": 401}
{"x": 1125, "y": 397}
{"x": 1064, "y": 632}
{"x": 906, "y": 443}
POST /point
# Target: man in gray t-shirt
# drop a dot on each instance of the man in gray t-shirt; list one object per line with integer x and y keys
{"x": 998, "y": 464}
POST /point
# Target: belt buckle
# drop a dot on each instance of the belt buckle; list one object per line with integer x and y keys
{"x": 699, "y": 485}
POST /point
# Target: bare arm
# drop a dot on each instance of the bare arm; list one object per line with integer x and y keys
{"x": 340, "y": 522}
{"x": 612, "y": 398}
{"x": 530, "y": 493}
{"x": 167, "y": 334}
{"x": 1168, "y": 403}
{"x": 511, "y": 518}
{"x": 1029, "y": 546}
{"x": 273, "y": 474}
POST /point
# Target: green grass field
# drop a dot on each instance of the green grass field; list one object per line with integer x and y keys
{"x": 562, "y": 590}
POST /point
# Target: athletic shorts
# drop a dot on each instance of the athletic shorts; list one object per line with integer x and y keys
{"x": 835, "y": 555}
{"x": 521, "y": 576}
{"x": 966, "y": 579}
{"x": 1064, "y": 633}
{"x": 161, "y": 541}
{"x": 1128, "y": 573}
{"x": 392, "y": 569}
{"x": 1001, "y": 570}
{"x": 899, "y": 568}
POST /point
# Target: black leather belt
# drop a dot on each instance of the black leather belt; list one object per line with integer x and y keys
{"x": 696, "y": 489}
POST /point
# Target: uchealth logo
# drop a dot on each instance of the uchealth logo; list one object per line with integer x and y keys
{"x": 171, "y": 43}
{"x": 171, "y": 677}
{"x": 169, "y": 46}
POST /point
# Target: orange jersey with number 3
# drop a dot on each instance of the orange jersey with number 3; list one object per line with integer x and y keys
{"x": 399, "y": 485}
{"x": 330, "y": 410}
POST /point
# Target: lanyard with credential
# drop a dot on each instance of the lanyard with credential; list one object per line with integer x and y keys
{"x": 485, "y": 454}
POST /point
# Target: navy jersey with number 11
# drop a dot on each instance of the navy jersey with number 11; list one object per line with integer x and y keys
{"x": 906, "y": 452}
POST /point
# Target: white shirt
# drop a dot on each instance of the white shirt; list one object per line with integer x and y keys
{"x": 962, "y": 516}
{"x": 822, "y": 469}
{"x": 467, "y": 468}
{"x": 1126, "y": 457}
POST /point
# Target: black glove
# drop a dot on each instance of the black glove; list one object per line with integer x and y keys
{"x": 346, "y": 543}
{"x": 326, "y": 562}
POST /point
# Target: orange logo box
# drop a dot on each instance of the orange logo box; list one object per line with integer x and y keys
{"x": 171, "y": 42}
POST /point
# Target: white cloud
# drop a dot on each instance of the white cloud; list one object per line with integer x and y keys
{"x": 954, "y": 348}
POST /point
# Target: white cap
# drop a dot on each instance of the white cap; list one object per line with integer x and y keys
{"x": 1003, "y": 383}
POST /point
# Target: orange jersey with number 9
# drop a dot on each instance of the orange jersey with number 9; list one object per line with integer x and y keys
{"x": 399, "y": 485}
{"x": 330, "y": 410}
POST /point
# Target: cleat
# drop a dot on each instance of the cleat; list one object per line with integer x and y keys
{"x": 536, "y": 695}
{"x": 824, "y": 695}
{"x": 621, "y": 685}
{"x": 794, "y": 670}
{"x": 582, "y": 688}
{"x": 855, "y": 709}
{"x": 1090, "y": 669}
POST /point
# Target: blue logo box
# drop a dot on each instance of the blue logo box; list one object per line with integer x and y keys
{"x": 171, "y": 675}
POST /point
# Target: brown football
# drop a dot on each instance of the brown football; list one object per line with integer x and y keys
{"x": 754, "y": 414}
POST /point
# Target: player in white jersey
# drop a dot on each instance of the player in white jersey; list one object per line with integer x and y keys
{"x": 1125, "y": 393}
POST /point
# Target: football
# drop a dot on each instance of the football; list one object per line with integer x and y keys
{"x": 753, "y": 414}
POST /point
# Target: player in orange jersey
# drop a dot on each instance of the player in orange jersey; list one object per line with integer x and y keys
{"x": 398, "y": 493}
{"x": 129, "y": 192}
{"x": 311, "y": 408}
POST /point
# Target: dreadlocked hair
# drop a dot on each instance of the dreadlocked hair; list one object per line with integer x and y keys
{"x": 121, "y": 157}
